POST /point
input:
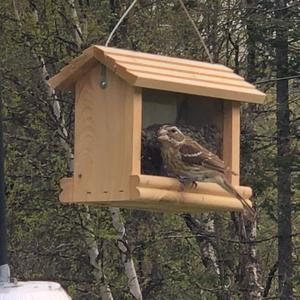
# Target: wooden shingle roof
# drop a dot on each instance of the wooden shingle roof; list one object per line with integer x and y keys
{"x": 161, "y": 72}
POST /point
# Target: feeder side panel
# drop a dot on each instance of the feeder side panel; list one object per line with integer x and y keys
{"x": 105, "y": 119}
{"x": 231, "y": 140}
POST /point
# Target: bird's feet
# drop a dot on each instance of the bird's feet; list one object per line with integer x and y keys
{"x": 186, "y": 182}
{"x": 194, "y": 184}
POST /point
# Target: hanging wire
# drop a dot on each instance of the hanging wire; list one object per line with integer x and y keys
{"x": 186, "y": 12}
{"x": 197, "y": 31}
{"x": 120, "y": 21}
{"x": 277, "y": 79}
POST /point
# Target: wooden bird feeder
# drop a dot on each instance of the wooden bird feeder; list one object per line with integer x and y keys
{"x": 119, "y": 92}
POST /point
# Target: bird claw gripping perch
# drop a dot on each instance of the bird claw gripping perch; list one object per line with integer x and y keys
{"x": 184, "y": 181}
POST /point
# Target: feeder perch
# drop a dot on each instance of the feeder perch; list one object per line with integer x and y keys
{"x": 119, "y": 92}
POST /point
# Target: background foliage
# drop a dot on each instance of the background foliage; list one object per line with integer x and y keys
{"x": 47, "y": 239}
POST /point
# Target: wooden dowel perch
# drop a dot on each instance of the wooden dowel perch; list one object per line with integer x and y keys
{"x": 168, "y": 183}
{"x": 165, "y": 194}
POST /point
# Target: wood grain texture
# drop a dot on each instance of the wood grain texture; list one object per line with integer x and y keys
{"x": 131, "y": 62}
{"x": 163, "y": 194}
{"x": 183, "y": 74}
{"x": 218, "y": 79}
{"x": 107, "y": 135}
{"x": 110, "y": 51}
{"x": 173, "y": 200}
{"x": 202, "y": 88}
{"x": 135, "y": 111}
{"x": 66, "y": 194}
{"x": 66, "y": 78}
{"x": 167, "y": 183}
{"x": 162, "y": 72}
{"x": 231, "y": 140}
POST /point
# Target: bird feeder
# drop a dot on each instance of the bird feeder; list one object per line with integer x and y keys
{"x": 120, "y": 92}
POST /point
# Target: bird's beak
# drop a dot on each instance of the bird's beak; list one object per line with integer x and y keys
{"x": 163, "y": 135}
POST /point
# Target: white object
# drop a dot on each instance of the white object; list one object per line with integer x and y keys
{"x": 4, "y": 273}
{"x": 33, "y": 290}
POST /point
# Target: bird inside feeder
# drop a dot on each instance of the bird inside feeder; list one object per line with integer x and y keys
{"x": 196, "y": 116}
{"x": 189, "y": 146}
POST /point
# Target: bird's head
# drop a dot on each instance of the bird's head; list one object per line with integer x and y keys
{"x": 170, "y": 135}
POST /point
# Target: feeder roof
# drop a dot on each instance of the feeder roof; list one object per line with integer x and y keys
{"x": 161, "y": 72}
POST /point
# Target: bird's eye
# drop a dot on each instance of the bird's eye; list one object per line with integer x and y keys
{"x": 173, "y": 130}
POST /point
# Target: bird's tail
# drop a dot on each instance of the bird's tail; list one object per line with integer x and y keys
{"x": 227, "y": 186}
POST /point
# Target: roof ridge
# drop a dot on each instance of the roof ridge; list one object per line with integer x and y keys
{"x": 175, "y": 74}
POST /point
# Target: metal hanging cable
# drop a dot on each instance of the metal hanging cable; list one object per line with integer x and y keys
{"x": 120, "y": 21}
{"x": 197, "y": 31}
{"x": 186, "y": 12}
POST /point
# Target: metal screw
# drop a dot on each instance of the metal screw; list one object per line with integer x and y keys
{"x": 103, "y": 84}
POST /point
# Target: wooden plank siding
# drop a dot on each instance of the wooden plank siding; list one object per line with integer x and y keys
{"x": 107, "y": 137}
{"x": 163, "y": 73}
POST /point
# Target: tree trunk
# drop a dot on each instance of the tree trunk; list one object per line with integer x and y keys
{"x": 122, "y": 243}
{"x": 4, "y": 267}
{"x": 285, "y": 269}
{"x": 213, "y": 24}
{"x": 252, "y": 288}
{"x": 251, "y": 44}
{"x": 250, "y": 269}
{"x": 203, "y": 227}
{"x": 76, "y": 24}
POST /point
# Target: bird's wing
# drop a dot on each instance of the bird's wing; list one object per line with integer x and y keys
{"x": 194, "y": 154}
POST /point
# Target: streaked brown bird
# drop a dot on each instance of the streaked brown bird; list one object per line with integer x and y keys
{"x": 191, "y": 162}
